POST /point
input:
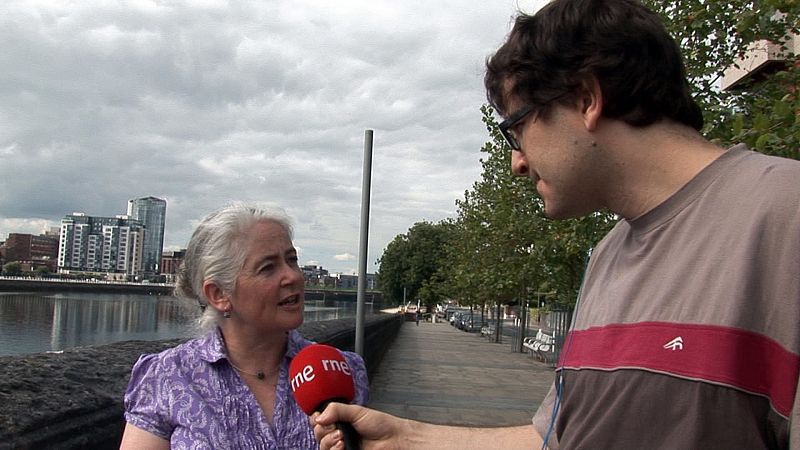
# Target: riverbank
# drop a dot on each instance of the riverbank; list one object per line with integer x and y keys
{"x": 21, "y": 284}
{"x": 73, "y": 399}
{"x": 24, "y": 284}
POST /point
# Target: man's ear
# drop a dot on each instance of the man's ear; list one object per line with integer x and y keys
{"x": 215, "y": 295}
{"x": 591, "y": 102}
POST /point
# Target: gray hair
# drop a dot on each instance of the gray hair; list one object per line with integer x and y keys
{"x": 215, "y": 253}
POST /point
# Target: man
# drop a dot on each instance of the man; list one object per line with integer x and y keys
{"x": 687, "y": 329}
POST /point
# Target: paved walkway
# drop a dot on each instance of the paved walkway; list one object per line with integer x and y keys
{"x": 438, "y": 374}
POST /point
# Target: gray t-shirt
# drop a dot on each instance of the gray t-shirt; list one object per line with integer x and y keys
{"x": 687, "y": 333}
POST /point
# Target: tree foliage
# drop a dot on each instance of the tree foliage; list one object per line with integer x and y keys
{"x": 764, "y": 113}
{"x": 12, "y": 268}
{"x": 410, "y": 263}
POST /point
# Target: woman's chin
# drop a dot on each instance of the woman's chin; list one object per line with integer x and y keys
{"x": 291, "y": 319}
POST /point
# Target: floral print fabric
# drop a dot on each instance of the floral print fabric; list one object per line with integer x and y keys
{"x": 191, "y": 396}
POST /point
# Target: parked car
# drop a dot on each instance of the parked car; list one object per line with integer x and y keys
{"x": 470, "y": 321}
{"x": 465, "y": 317}
{"x": 452, "y": 314}
{"x": 474, "y": 323}
{"x": 458, "y": 317}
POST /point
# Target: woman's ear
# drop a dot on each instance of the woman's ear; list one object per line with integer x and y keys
{"x": 215, "y": 295}
{"x": 591, "y": 102}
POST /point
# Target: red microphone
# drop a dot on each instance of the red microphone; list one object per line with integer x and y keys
{"x": 319, "y": 374}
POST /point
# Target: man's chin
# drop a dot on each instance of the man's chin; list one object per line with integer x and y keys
{"x": 561, "y": 214}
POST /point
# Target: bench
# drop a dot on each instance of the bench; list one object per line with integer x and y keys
{"x": 488, "y": 330}
{"x": 542, "y": 346}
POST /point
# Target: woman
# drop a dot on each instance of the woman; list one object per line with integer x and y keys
{"x": 229, "y": 388}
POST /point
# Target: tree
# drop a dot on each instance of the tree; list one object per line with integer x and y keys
{"x": 410, "y": 262}
{"x": 13, "y": 269}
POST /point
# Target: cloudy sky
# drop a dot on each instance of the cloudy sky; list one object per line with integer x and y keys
{"x": 202, "y": 102}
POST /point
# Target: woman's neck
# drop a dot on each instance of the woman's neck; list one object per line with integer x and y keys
{"x": 254, "y": 353}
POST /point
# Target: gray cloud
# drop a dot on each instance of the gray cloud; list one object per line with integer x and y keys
{"x": 206, "y": 102}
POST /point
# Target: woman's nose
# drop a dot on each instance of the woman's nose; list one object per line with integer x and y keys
{"x": 293, "y": 275}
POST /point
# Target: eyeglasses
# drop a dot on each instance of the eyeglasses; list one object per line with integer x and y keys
{"x": 507, "y": 126}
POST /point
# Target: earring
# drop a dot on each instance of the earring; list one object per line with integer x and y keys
{"x": 227, "y": 313}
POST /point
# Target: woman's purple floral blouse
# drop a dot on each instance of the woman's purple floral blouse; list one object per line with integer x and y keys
{"x": 191, "y": 396}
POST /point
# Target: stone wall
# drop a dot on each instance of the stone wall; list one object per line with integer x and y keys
{"x": 73, "y": 399}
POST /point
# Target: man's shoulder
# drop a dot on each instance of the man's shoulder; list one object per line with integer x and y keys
{"x": 761, "y": 161}
{"x": 766, "y": 177}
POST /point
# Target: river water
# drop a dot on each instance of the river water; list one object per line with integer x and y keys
{"x": 36, "y": 322}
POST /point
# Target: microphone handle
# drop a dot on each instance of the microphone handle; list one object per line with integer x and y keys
{"x": 352, "y": 441}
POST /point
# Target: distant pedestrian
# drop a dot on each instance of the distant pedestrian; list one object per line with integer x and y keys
{"x": 416, "y": 317}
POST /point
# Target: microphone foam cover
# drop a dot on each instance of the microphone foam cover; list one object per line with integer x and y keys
{"x": 319, "y": 373}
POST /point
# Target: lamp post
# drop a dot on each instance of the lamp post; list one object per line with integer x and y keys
{"x": 366, "y": 179}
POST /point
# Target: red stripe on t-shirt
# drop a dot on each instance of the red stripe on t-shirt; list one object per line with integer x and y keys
{"x": 744, "y": 360}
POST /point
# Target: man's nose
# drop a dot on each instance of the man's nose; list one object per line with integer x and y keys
{"x": 519, "y": 165}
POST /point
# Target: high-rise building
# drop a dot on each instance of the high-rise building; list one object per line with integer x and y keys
{"x": 100, "y": 244}
{"x": 151, "y": 212}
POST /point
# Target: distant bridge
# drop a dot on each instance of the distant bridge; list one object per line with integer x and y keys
{"x": 331, "y": 296}
{"x": 22, "y": 284}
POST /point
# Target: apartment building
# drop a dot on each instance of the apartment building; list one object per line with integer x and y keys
{"x": 110, "y": 245}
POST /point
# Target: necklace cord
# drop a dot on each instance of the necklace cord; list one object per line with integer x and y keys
{"x": 260, "y": 374}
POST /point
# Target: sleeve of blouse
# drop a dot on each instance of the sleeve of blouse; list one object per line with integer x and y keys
{"x": 360, "y": 379}
{"x": 143, "y": 406}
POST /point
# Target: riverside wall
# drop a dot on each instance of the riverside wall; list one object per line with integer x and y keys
{"x": 73, "y": 399}
{"x": 55, "y": 285}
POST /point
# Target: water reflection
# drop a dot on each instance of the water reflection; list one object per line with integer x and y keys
{"x": 37, "y": 322}
{"x": 88, "y": 319}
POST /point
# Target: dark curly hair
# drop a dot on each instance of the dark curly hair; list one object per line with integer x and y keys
{"x": 550, "y": 55}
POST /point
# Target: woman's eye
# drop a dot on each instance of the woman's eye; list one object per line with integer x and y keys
{"x": 266, "y": 268}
